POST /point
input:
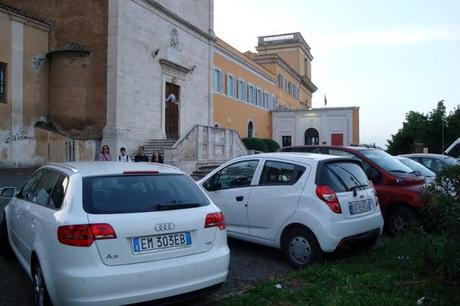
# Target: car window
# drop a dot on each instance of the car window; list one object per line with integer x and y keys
{"x": 414, "y": 165}
{"x": 341, "y": 153}
{"x": 45, "y": 187}
{"x": 27, "y": 191}
{"x": 372, "y": 173}
{"x": 280, "y": 173}
{"x": 455, "y": 151}
{"x": 433, "y": 164}
{"x": 140, "y": 193}
{"x": 59, "y": 192}
{"x": 236, "y": 175}
{"x": 342, "y": 176}
{"x": 386, "y": 161}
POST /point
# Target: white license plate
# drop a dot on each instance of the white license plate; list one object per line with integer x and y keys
{"x": 150, "y": 243}
{"x": 359, "y": 207}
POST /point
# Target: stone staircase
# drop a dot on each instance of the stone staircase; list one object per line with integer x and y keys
{"x": 157, "y": 145}
{"x": 203, "y": 169}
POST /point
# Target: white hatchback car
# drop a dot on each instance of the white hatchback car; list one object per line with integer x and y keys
{"x": 305, "y": 204}
{"x": 110, "y": 233}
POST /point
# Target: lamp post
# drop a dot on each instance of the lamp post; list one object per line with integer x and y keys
{"x": 442, "y": 128}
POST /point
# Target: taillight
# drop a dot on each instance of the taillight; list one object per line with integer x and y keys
{"x": 329, "y": 197}
{"x": 83, "y": 235}
{"x": 215, "y": 219}
{"x": 375, "y": 193}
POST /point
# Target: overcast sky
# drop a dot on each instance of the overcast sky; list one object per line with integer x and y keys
{"x": 387, "y": 57}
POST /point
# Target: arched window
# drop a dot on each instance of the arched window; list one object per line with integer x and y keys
{"x": 311, "y": 137}
{"x": 216, "y": 125}
{"x": 250, "y": 129}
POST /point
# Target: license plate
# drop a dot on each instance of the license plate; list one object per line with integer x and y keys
{"x": 359, "y": 207}
{"x": 158, "y": 242}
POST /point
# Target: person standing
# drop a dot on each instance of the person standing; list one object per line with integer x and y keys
{"x": 141, "y": 157}
{"x": 123, "y": 157}
{"x": 105, "y": 154}
{"x": 156, "y": 157}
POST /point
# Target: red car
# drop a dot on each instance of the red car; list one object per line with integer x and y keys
{"x": 398, "y": 187}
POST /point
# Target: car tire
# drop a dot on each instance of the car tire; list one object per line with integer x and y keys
{"x": 5, "y": 247}
{"x": 41, "y": 296}
{"x": 301, "y": 248}
{"x": 400, "y": 220}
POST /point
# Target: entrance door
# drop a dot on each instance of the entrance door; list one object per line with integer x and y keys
{"x": 337, "y": 139}
{"x": 172, "y": 111}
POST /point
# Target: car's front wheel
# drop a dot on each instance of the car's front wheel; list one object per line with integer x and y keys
{"x": 301, "y": 248}
{"x": 400, "y": 220}
{"x": 41, "y": 296}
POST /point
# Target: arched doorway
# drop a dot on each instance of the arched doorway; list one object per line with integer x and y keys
{"x": 311, "y": 137}
{"x": 250, "y": 129}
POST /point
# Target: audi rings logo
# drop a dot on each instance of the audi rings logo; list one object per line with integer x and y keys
{"x": 161, "y": 227}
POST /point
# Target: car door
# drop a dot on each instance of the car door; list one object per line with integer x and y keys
{"x": 38, "y": 213}
{"x": 275, "y": 197}
{"x": 229, "y": 188}
{"x": 18, "y": 218}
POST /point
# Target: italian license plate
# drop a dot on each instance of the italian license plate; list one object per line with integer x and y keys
{"x": 359, "y": 207}
{"x": 151, "y": 243}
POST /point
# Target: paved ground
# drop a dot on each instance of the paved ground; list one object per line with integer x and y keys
{"x": 249, "y": 263}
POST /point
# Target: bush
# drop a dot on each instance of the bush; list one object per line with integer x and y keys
{"x": 443, "y": 219}
{"x": 272, "y": 145}
{"x": 255, "y": 144}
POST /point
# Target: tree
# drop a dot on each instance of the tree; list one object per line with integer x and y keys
{"x": 426, "y": 129}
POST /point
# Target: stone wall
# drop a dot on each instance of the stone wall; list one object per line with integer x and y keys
{"x": 148, "y": 47}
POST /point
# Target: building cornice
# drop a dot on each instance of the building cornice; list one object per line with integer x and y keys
{"x": 318, "y": 109}
{"x": 209, "y": 36}
{"x": 275, "y": 58}
{"x": 224, "y": 52}
{"x": 20, "y": 16}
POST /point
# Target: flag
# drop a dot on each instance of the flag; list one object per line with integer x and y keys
{"x": 325, "y": 100}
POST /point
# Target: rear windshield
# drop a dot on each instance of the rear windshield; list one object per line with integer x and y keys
{"x": 140, "y": 193}
{"x": 343, "y": 176}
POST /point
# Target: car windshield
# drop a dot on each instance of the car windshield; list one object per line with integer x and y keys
{"x": 140, "y": 193}
{"x": 386, "y": 161}
{"x": 416, "y": 166}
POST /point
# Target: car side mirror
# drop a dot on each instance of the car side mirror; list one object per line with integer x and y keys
{"x": 7, "y": 192}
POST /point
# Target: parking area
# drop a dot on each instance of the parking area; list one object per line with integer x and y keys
{"x": 249, "y": 263}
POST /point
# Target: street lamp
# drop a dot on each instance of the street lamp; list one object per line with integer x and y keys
{"x": 442, "y": 128}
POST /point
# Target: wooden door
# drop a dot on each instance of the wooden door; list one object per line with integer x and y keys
{"x": 337, "y": 139}
{"x": 172, "y": 111}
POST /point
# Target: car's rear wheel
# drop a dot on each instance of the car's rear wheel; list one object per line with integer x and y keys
{"x": 301, "y": 247}
{"x": 401, "y": 219}
{"x": 5, "y": 248}
{"x": 41, "y": 296}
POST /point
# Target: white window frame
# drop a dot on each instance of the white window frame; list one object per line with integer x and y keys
{"x": 252, "y": 98}
{"x": 218, "y": 88}
{"x": 241, "y": 90}
{"x": 259, "y": 97}
{"x": 228, "y": 87}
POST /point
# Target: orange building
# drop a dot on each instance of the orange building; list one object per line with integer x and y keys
{"x": 249, "y": 86}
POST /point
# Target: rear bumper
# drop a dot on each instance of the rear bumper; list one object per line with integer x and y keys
{"x": 368, "y": 236}
{"x": 126, "y": 284}
{"x": 336, "y": 232}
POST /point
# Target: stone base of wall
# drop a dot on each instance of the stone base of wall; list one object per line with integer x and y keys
{"x": 35, "y": 146}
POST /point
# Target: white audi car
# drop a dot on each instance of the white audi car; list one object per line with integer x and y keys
{"x": 305, "y": 204}
{"x": 107, "y": 233}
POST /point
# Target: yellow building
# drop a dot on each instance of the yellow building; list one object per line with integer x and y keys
{"x": 249, "y": 86}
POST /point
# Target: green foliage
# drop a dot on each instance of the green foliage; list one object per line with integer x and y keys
{"x": 426, "y": 129}
{"x": 255, "y": 144}
{"x": 405, "y": 269}
{"x": 272, "y": 145}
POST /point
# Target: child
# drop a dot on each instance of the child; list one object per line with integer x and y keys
{"x": 123, "y": 157}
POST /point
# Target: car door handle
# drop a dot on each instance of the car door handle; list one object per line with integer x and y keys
{"x": 239, "y": 198}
